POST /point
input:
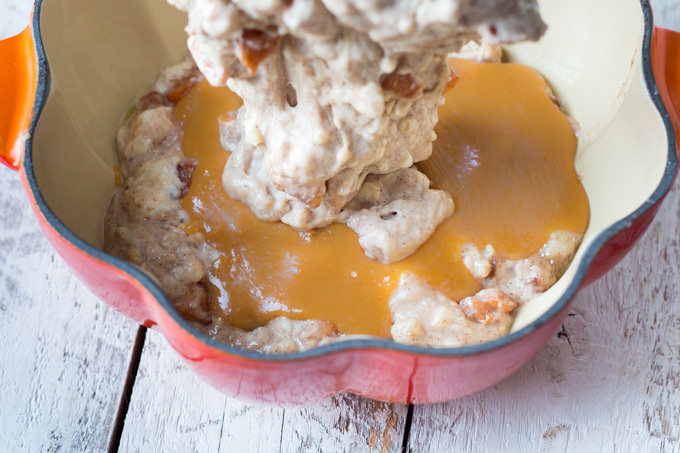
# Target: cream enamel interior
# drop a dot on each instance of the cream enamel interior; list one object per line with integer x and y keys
{"x": 103, "y": 55}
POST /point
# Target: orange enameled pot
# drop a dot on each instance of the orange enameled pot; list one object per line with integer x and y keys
{"x": 68, "y": 79}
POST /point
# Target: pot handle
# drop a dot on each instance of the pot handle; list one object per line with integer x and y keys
{"x": 18, "y": 83}
{"x": 666, "y": 64}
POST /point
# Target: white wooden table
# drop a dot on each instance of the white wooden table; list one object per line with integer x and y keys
{"x": 609, "y": 381}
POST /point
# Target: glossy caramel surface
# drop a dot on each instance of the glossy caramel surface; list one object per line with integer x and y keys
{"x": 504, "y": 151}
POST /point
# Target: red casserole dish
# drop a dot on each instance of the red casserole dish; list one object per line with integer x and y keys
{"x": 41, "y": 112}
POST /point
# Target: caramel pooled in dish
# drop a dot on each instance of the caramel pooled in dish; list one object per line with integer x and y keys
{"x": 339, "y": 95}
{"x": 504, "y": 151}
{"x": 327, "y": 124}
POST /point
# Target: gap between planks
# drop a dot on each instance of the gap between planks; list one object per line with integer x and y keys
{"x": 189, "y": 415}
{"x": 128, "y": 389}
{"x": 126, "y": 394}
{"x": 407, "y": 429}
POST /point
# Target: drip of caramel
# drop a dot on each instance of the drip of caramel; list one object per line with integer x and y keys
{"x": 504, "y": 151}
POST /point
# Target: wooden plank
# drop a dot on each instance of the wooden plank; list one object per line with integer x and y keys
{"x": 609, "y": 379}
{"x": 608, "y": 382}
{"x": 173, "y": 410}
{"x": 170, "y": 409}
{"x": 63, "y": 354}
{"x": 15, "y": 16}
{"x": 344, "y": 423}
{"x": 666, "y": 13}
{"x": 251, "y": 427}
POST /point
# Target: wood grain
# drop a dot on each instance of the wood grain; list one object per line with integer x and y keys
{"x": 173, "y": 410}
{"x": 63, "y": 354}
{"x": 14, "y": 17}
{"x": 666, "y": 13}
{"x": 170, "y": 409}
{"x": 344, "y": 423}
{"x": 609, "y": 381}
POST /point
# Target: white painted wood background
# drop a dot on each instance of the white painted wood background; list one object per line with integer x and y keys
{"x": 610, "y": 381}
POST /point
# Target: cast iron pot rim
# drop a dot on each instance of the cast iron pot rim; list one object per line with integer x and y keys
{"x": 42, "y": 92}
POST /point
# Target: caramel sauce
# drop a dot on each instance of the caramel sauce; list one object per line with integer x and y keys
{"x": 504, "y": 151}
